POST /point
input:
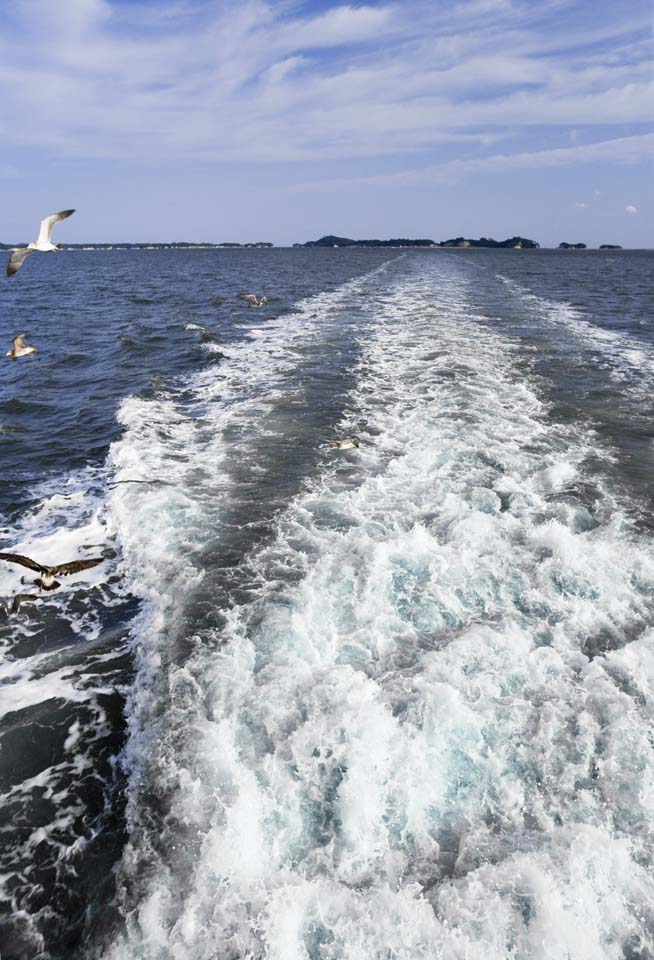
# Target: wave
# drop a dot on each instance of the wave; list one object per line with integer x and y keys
{"x": 622, "y": 349}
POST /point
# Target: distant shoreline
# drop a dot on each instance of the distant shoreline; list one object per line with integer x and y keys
{"x": 180, "y": 245}
{"x": 514, "y": 243}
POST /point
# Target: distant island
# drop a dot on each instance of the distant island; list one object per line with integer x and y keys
{"x": 331, "y": 241}
{"x": 516, "y": 243}
{"x": 582, "y": 246}
{"x": 513, "y": 243}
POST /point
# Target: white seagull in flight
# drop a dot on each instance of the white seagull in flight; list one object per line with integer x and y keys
{"x": 21, "y": 349}
{"x": 253, "y": 300}
{"x": 43, "y": 244}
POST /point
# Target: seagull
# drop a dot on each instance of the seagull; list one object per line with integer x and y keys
{"x": 18, "y": 601}
{"x": 47, "y": 579}
{"x": 43, "y": 244}
{"x": 21, "y": 349}
{"x": 252, "y": 299}
{"x": 347, "y": 443}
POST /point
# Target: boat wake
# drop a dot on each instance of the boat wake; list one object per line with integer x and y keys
{"x": 623, "y": 354}
{"x": 409, "y": 719}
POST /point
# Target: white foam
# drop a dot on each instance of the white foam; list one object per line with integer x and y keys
{"x": 161, "y": 525}
{"x": 410, "y": 745}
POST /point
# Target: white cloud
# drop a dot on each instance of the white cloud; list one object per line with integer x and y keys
{"x": 581, "y": 205}
{"x": 261, "y": 81}
{"x": 280, "y": 70}
{"x": 344, "y": 24}
{"x": 620, "y": 151}
{"x": 631, "y": 209}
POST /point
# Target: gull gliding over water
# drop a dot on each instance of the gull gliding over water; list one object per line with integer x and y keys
{"x": 43, "y": 243}
{"x": 253, "y": 300}
{"x": 21, "y": 349}
{"x": 47, "y": 579}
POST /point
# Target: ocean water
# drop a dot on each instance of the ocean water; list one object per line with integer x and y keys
{"x": 387, "y": 703}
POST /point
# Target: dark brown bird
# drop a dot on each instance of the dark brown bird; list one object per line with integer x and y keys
{"x": 47, "y": 579}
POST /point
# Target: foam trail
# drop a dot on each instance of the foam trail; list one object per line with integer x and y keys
{"x": 620, "y": 349}
{"x": 427, "y": 733}
{"x": 164, "y": 529}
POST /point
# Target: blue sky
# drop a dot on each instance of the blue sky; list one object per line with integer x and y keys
{"x": 282, "y": 120}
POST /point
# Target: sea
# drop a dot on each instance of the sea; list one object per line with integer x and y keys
{"x": 392, "y": 702}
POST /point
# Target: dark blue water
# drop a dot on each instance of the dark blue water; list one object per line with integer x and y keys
{"x": 321, "y": 703}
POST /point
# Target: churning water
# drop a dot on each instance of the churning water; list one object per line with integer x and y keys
{"x": 387, "y": 703}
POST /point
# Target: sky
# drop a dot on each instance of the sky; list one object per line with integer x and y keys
{"x": 281, "y": 120}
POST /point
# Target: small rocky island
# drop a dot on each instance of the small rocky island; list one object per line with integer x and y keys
{"x": 332, "y": 241}
{"x": 610, "y": 246}
{"x": 515, "y": 243}
{"x": 572, "y": 246}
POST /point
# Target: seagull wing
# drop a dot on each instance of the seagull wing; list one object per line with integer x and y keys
{"x": 65, "y": 569}
{"x": 48, "y": 223}
{"x": 16, "y": 260}
{"x": 19, "y": 341}
{"x": 250, "y": 297}
{"x": 22, "y": 598}
{"x": 23, "y": 561}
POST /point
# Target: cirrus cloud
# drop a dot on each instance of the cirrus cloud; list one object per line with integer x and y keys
{"x": 272, "y": 82}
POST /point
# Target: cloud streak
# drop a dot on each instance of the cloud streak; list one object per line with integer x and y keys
{"x": 270, "y": 82}
{"x": 621, "y": 151}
